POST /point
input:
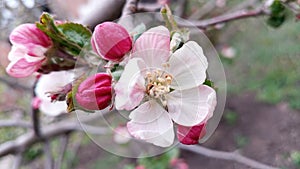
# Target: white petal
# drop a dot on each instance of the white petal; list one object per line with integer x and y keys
{"x": 153, "y": 46}
{"x": 147, "y": 112}
{"x": 188, "y": 66}
{"x": 131, "y": 86}
{"x": 151, "y": 123}
{"x": 53, "y": 108}
{"x": 16, "y": 53}
{"x": 192, "y": 106}
{"x": 52, "y": 82}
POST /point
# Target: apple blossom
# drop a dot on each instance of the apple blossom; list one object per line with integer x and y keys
{"x": 111, "y": 41}
{"x": 95, "y": 92}
{"x": 160, "y": 87}
{"x": 47, "y": 83}
{"x": 28, "y": 51}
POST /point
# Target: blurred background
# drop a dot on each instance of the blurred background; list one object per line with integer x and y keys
{"x": 262, "y": 66}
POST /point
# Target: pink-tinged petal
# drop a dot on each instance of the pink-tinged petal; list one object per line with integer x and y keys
{"x": 147, "y": 112}
{"x": 192, "y": 106}
{"x": 30, "y": 36}
{"x": 158, "y": 128}
{"x": 111, "y": 41}
{"x": 95, "y": 92}
{"x": 191, "y": 135}
{"x": 18, "y": 52}
{"x": 22, "y": 68}
{"x": 188, "y": 66}
{"x": 38, "y": 53}
{"x": 153, "y": 46}
{"x": 130, "y": 89}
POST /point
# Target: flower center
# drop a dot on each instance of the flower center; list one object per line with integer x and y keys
{"x": 158, "y": 84}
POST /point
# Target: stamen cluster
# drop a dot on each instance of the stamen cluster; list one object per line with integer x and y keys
{"x": 158, "y": 84}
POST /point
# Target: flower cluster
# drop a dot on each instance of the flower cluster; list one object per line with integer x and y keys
{"x": 159, "y": 87}
{"x": 157, "y": 75}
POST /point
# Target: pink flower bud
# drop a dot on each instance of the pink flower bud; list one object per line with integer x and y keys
{"x": 27, "y": 54}
{"x": 30, "y": 37}
{"x": 190, "y": 135}
{"x": 111, "y": 41}
{"x": 95, "y": 92}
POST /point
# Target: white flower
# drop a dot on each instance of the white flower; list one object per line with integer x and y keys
{"x": 49, "y": 83}
{"x": 160, "y": 88}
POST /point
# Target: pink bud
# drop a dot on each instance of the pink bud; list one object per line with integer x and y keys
{"x": 27, "y": 54}
{"x": 30, "y": 37}
{"x": 111, "y": 41}
{"x": 190, "y": 135}
{"x": 95, "y": 92}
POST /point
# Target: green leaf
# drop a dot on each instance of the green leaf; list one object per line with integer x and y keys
{"x": 278, "y": 14}
{"x": 70, "y": 37}
{"x": 76, "y": 33}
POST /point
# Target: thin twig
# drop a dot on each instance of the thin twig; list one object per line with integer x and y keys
{"x": 64, "y": 139}
{"x": 149, "y": 7}
{"x": 232, "y": 156}
{"x": 18, "y": 161}
{"x": 71, "y": 162}
{"x": 130, "y": 7}
{"x": 35, "y": 113}
{"x": 26, "y": 140}
{"x": 48, "y": 155}
{"x": 15, "y": 123}
{"x": 241, "y": 14}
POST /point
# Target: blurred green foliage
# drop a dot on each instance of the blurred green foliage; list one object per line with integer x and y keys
{"x": 267, "y": 61}
{"x": 230, "y": 117}
{"x": 278, "y": 14}
{"x": 295, "y": 156}
{"x": 32, "y": 153}
{"x": 159, "y": 162}
{"x": 241, "y": 141}
{"x": 109, "y": 161}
